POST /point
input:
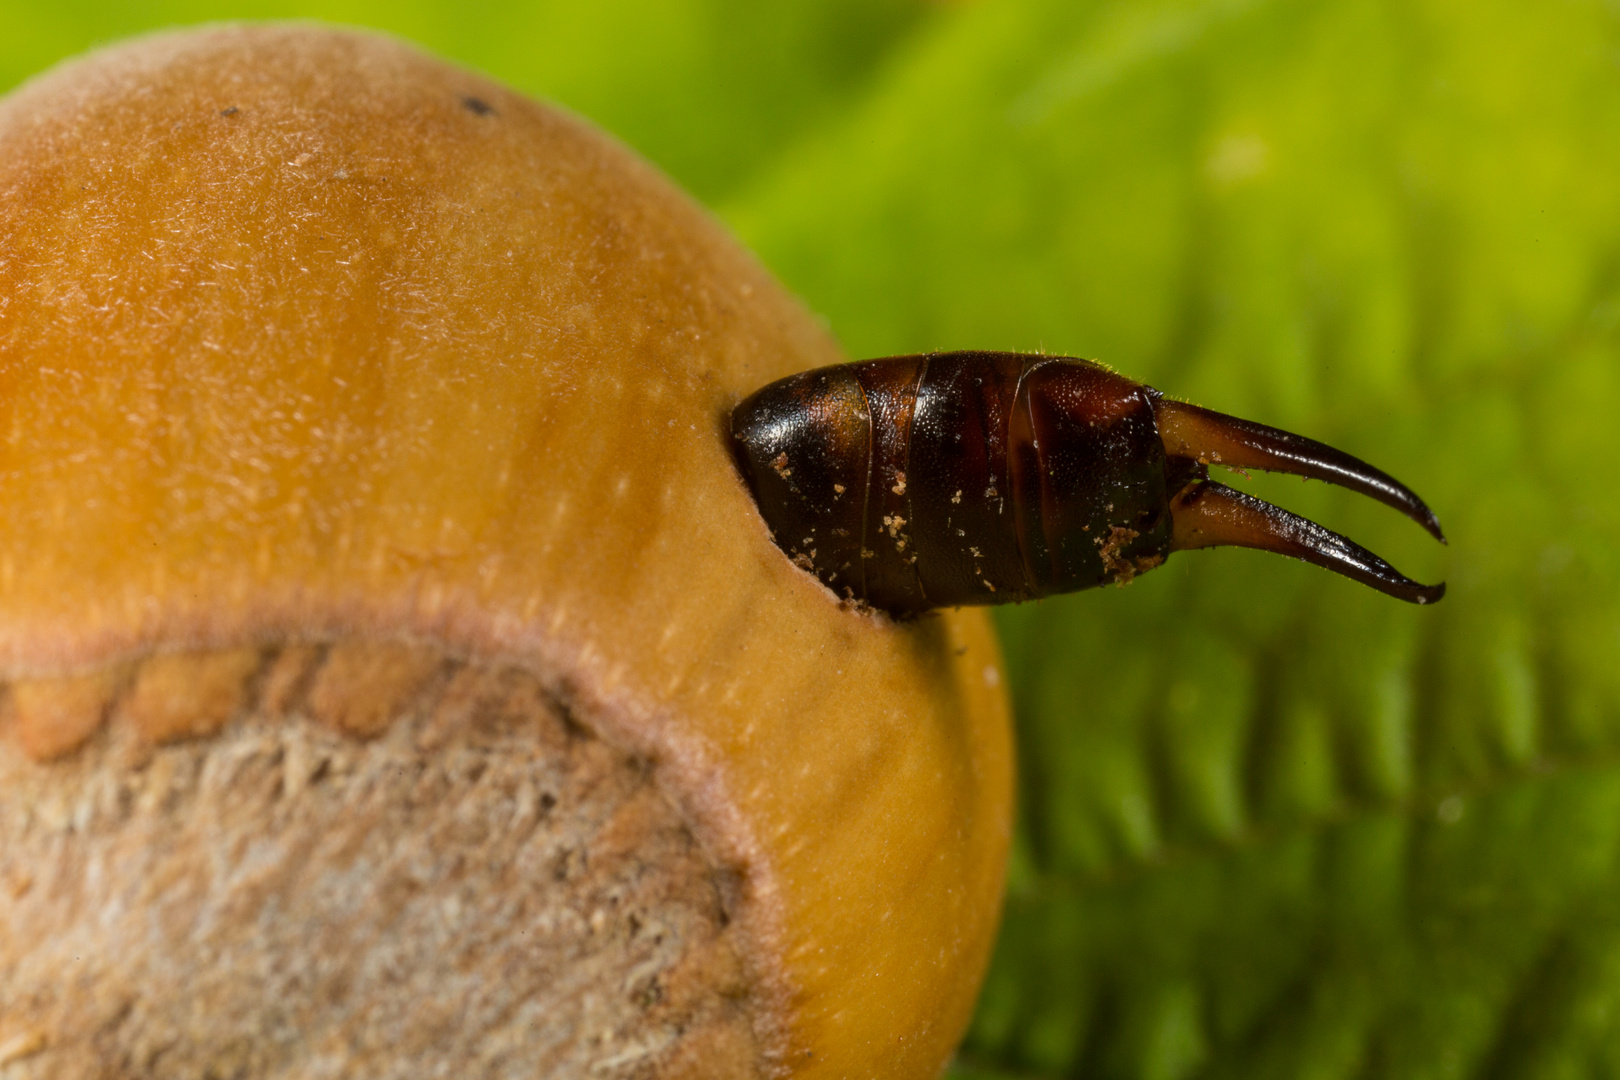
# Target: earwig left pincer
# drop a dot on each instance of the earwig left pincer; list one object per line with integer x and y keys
{"x": 919, "y": 482}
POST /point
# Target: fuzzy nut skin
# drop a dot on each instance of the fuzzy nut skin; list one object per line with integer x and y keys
{"x": 308, "y": 339}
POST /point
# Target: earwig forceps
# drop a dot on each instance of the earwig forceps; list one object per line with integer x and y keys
{"x": 1207, "y": 514}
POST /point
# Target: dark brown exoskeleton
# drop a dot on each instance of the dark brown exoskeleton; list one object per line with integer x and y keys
{"x": 919, "y": 482}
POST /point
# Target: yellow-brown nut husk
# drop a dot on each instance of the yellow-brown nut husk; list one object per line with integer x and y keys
{"x": 398, "y": 679}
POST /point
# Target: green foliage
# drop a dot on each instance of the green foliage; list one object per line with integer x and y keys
{"x": 1276, "y": 825}
{"x": 1273, "y": 824}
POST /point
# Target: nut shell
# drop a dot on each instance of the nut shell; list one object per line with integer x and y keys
{"x": 310, "y": 342}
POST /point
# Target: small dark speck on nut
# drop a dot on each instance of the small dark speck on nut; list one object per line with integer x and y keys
{"x": 232, "y": 111}
{"x": 477, "y": 106}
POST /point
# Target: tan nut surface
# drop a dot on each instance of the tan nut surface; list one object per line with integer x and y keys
{"x": 398, "y": 679}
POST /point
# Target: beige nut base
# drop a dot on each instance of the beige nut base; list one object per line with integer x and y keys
{"x": 310, "y": 341}
{"x": 483, "y": 889}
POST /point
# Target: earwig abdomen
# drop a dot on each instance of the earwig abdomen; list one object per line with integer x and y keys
{"x": 984, "y": 477}
{"x": 949, "y": 479}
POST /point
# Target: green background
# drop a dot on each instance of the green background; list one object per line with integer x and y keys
{"x": 1272, "y": 824}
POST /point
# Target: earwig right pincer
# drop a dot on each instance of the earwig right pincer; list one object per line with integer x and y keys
{"x": 918, "y": 482}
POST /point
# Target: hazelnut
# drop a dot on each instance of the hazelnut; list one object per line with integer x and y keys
{"x": 398, "y": 679}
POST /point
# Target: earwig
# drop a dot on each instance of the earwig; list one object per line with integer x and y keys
{"x": 919, "y": 482}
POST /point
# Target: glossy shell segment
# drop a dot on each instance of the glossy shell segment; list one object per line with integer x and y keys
{"x": 1095, "y": 451}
